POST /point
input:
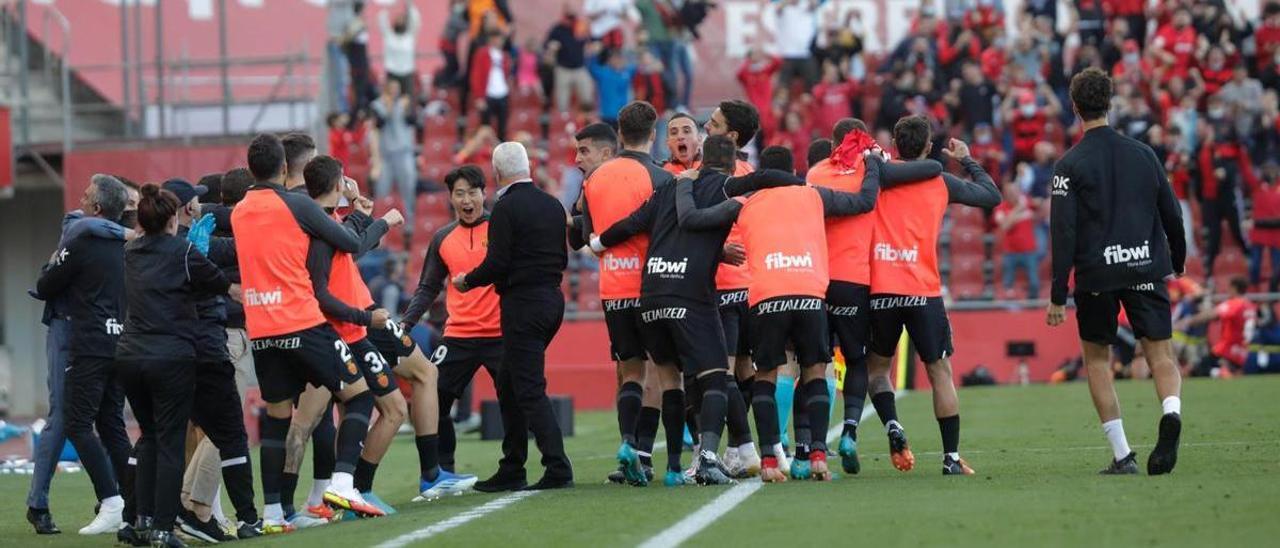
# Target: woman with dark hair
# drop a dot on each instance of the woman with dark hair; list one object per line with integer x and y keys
{"x": 164, "y": 277}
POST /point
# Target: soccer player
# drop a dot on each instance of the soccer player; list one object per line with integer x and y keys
{"x": 1236, "y": 317}
{"x": 906, "y": 289}
{"x": 293, "y": 344}
{"x": 614, "y": 190}
{"x": 1116, "y": 223}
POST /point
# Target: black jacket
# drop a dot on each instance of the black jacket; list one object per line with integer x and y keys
{"x": 1114, "y": 218}
{"x": 527, "y": 236}
{"x": 211, "y": 336}
{"x": 222, "y": 224}
{"x": 89, "y": 274}
{"x": 165, "y": 278}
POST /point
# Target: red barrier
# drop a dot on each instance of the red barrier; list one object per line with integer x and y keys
{"x": 150, "y": 165}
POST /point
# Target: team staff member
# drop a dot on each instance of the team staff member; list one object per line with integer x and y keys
{"x": 473, "y": 330}
{"x": 525, "y": 263}
{"x": 293, "y": 345}
{"x": 906, "y": 289}
{"x": 1116, "y": 223}
{"x": 89, "y": 272}
{"x": 611, "y": 193}
{"x": 165, "y": 276}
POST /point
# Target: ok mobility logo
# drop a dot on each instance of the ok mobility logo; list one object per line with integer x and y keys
{"x": 1131, "y": 256}
{"x": 1061, "y": 185}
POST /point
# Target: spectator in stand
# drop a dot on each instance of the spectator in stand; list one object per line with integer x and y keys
{"x": 337, "y": 72}
{"x": 1174, "y": 46}
{"x": 1132, "y": 66}
{"x": 396, "y": 127}
{"x": 568, "y": 41}
{"x": 797, "y": 25}
{"x": 656, "y": 17}
{"x": 400, "y": 46}
{"x": 1132, "y": 13}
{"x": 1133, "y": 117}
{"x": 650, "y": 85}
{"x": 832, "y": 98}
{"x": 1214, "y": 72}
{"x": 1112, "y": 49}
{"x": 972, "y": 99}
{"x": 1178, "y": 164}
{"x": 987, "y": 151}
{"x": 1242, "y": 95}
{"x": 1026, "y": 119}
{"x": 1267, "y": 36}
{"x": 1091, "y": 22}
{"x": 756, "y": 77}
{"x": 1264, "y": 233}
{"x": 1220, "y": 161}
{"x": 956, "y": 49}
{"x": 490, "y": 72}
{"x": 485, "y": 16}
{"x": 893, "y": 99}
{"x": 1015, "y": 219}
{"x": 528, "y": 78}
{"x": 455, "y": 25}
{"x": 607, "y": 17}
{"x": 613, "y": 81}
{"x": 355, "y": 45}
{"x": 795, "y": 135}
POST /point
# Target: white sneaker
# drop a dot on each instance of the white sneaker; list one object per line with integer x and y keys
{"x": 109, "y": 518}
{"x": 750, "y": 460}
{"x": 732, "y": 462}
{"x": 304, "y": 520}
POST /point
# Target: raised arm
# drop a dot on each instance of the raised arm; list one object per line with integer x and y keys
{"x": 1062, "y": 230}
{"x": 842, "y": 204}
{"x": 434, "y": 275}
{"x": 204, "y": 276}
{"x": 320, "y": 226}
{"x": 980, "y": 192}
{"x": 319, "y": 264}
{"x": 690, "y": 217}
{"x": 369, "y": 230}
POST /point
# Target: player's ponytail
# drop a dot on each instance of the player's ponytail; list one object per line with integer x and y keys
{"x": 155, "y": 207}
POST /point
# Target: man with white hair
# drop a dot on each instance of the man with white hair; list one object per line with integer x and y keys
{"x": 527, "y": 277}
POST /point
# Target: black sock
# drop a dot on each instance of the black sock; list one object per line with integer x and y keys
{"x": 855, "y": 394}
{"x": 351, "y": 434}
{"x": 288, "y": 489}
{"x": 765, "y": 407}
{"x": 950, "y": 428}
{"x": 646, "y": 431}
{"x": 274, "y": 432}
{"x": 324, "y": 439}
{"x": 800, "y": 422}
{"x": 745, "y": 388}
{"x": 885, "y": 406}
{"x": 736, "y": 416}
{"x": 819, "y": 404}
{"x": 715, "y": 404}
{"x": 692, "y": 403}
{"x": 365, "y": 471}
{"x": 673, "y": 424}
{"x": 630, "y": 395}
{"x": 428, "y": 451}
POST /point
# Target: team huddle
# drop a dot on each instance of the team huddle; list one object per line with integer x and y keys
{"x": 726, "y": 290}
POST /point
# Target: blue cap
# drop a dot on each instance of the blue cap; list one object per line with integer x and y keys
{"x": 183, "y": 190}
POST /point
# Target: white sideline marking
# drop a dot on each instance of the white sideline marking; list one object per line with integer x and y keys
{"x": 456, "y": 521}
{"x": 694, "y": 523}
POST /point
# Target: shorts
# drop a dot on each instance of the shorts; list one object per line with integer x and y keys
{"x": 622, "y": 318}
{"x": 801, "y": 321}
{"x": 925, "y": 319}
{"x": 374, "y": 367}
{"x": 394, "y": 342}
{"x": 1147, "y": 306}
{"x": 286, "y": 363}
{"x": 689, "y": 336}
{"x": 734, "y": 314}
{"x": 848, "y": 315}
{"x": 458, "y": 360}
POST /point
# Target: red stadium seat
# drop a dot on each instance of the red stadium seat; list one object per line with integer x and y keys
{"x": 967, "y": 291}
{"x": 968, "y": 241}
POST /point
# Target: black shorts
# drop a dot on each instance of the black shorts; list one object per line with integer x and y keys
{"x": 687, "y": 335}
{"x": 800, "y": 321}
{"x": 393, "y": 342}
{"x": 925, "y": 319}
{"x": 622, "y": 318}
{"x": 374, "y": 366}
{"x": 849, "y": 316}
{"x": 734, "y": 316}
{"x": 458, "y": 359}
{"x": 1147, "y": 306}
{"x": 286, "y": 363}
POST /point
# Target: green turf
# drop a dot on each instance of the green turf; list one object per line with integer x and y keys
{"x": 1035, "y": 449}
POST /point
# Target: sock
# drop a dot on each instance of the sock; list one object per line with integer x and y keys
{"x": 800, "y": 415}
{"x": 342, "y": 481}
{"x": 744, "y": 387}
{"x": 323, "y": 441}
{"x": 818, "y": 402}
{"x": 288, "y": 488}
{"x": 850, "y": 429}
{"x": 365, "y": 471}
{"x": 673, "y": 424}
{"x": 444, "y": 442}
{"x": 855, "y": 394}
{"x": 428, "y": 453}
{"x": 273, "y": 512}
{"x": 351, "y": 434}
{"x": 692, "y": 403}
{"x": 272, "y": 454}
{"x": 950, "y": 428}
{"x": 646, "y": 431}
{"x": 1115, "y": 436}
{"x": 715, "y": 403}
{"x": 629, "y": 396}
{"x": 736, "y": 416}
{"x": 885, "y": 407}
{"x": 783, "y": 392}
{"x": 1172, "y": 404}
{"x": 765, "y": 408}
{"x": 318, "y": 487}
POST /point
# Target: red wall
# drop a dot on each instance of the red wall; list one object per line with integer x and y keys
{"x": 149, "y": 165}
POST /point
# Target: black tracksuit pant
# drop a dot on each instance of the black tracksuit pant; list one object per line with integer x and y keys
{"x": 1214, "y": 213}
{"x": 161, "y": 393}
{"x": 93, "y": 398}
{"x": 216, "y": 409}
{"x": 531, "y": 317}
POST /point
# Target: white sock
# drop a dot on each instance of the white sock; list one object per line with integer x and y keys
{"x": 112, "y": 504}
{"x": 1172, "y": 404}
{"x": 891, "y": 424}
{"x": 342, "y": 481}
{"x": 748, "y": 448}
{"x": 318, "y": 488}
{"x": 273, "y": 512}
{"x": 218, "y": 515}
{"x": 1115, "y": 435}
{"x": 956, "y": 456}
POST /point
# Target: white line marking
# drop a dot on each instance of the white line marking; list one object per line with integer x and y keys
{"x": 456, "y": 521}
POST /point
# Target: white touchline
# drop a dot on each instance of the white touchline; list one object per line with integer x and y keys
{"x": 694, "y": 523}
{"x": 456, "y": 521}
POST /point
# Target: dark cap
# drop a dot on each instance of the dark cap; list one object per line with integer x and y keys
{"x": 183, "y": 190}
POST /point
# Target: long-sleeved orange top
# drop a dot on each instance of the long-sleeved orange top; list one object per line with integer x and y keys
{"x": 458, "y": 248}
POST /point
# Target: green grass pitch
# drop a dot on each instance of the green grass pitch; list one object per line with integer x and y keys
{"x": 1036, "y": 450}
